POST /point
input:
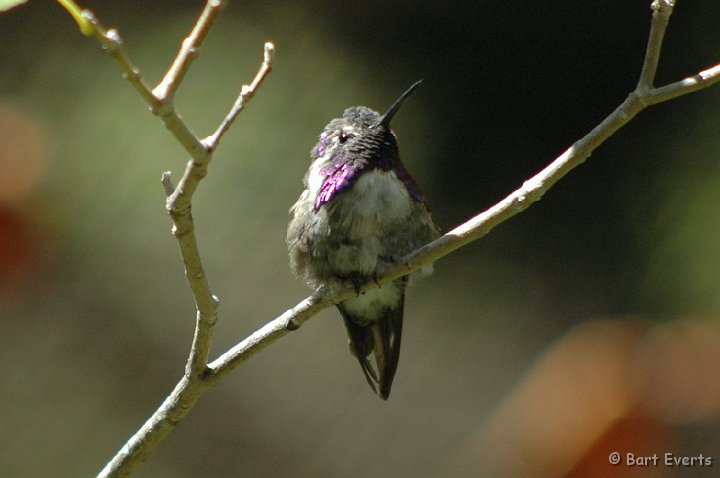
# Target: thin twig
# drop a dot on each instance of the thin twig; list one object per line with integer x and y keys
{"x": 662, "y": 9}
{"x": 112, "y": 42}
{"x": 246, "y": 92}
{"x": 189, "y": 50}
{"x": 691, "y": 84}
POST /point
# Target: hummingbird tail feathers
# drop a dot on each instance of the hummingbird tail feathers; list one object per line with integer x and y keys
{"x": 381, "y": 338}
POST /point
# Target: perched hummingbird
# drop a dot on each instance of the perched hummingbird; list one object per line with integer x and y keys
{"x": 359, "y": 213}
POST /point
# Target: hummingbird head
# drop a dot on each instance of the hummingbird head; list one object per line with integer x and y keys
{"x": 359, "y": 141}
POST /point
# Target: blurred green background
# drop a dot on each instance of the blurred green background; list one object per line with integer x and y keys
{"x": 96, "y": 318}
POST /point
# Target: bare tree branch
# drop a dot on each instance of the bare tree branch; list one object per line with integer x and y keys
{"x": 113, "y": 44}
{"x": 178, "y": 204}
{"x": 246, "y": 92}
{"x": 189, "y": 50}
{"x": 662, "y": 9}
{"x": 689, "y": 85}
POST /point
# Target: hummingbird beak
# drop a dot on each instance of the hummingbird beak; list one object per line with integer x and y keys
{"x": 388, "y": 116}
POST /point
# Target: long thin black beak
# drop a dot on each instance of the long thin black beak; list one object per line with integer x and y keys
{"x": 388, "y": 116}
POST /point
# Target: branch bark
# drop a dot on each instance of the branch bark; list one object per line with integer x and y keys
{"x": 201, "y": 376}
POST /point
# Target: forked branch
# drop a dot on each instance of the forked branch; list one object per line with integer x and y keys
{"x": 178, "y": 204}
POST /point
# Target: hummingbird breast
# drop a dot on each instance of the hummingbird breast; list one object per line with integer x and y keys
{"x": 360, "y": 231}
{"x": 364, "y": 223}
{"x": 377, "y": 200}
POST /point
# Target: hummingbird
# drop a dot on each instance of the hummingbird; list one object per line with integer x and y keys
{"x": 361, "y": 212}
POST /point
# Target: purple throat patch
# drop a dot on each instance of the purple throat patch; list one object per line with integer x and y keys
{"x": 341, "y": 176}
{"x": 338, "y": 177}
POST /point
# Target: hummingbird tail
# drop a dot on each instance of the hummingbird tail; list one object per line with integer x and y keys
{"x": 382, "y": 338}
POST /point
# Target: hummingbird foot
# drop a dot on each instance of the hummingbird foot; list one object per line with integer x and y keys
{"x": 356, "y": 280}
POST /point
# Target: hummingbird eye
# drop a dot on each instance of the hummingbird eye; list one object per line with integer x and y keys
{"x": 343, "y": 137}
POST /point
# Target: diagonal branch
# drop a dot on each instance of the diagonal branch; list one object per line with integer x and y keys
{"x": 113, "y": 44}
{"x": 189, "y": 50}
{"x": 691, "y": 84}
{"x": 246, "y": 92}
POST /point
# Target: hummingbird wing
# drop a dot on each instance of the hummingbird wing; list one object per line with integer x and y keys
{"x": 382, "y": 338}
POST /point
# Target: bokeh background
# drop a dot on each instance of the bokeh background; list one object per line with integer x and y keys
{"x": 586, "y": 325}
